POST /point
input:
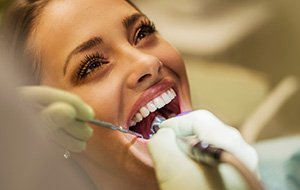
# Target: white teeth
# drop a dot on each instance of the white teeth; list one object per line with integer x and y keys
{"x": 166, "y": 98}
{"x": 138, "y": 117}
{"x": 145, "y": 112}
{"x": 171, "y": 94}
{"x": 153, "y": 105}
{"x": 135, "y": 119}
{"x": 159, "y": 102}
{"x": 132, "y": 123}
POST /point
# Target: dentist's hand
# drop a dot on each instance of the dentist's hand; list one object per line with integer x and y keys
{"x": 175, "y": 170}
{"x": 59, "y": 110}
{"x": 208, "y": 128}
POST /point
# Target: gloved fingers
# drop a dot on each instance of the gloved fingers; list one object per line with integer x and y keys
{"x": 68, "y": 142}
{"x": 246, "y": 154}
{"x": 79, "y": 130}
{"x": 174, "y": 169}
{"x": 164, "y": 151}
{"x": 230, "y": 139}
{"x": 215, "y": 132}
{"x": 62, "y": 115}
{"x": 199, "y": 122}
{"x": 207, "y": 127}
{"x": 177, "y": 123}
{"x": 58, "y": 115}
{"x": 45, "y": 95}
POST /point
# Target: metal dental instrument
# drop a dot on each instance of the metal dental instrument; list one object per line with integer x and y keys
{"x": 110, "y": 126}
{"x": 155, "y": 124}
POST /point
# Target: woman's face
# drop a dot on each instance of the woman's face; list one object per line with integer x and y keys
{"x": 110, "y": 55}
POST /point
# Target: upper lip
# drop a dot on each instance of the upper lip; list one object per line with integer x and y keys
{"x": 151, "y": 93}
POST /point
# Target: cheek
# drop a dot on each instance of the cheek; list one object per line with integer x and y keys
{"x": 103, "y": 98}
{"x": 172, "y": 60}
{"x": 174, "y": 63}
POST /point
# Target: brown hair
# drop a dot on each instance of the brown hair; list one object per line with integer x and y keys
{"x": 18, "y": 23}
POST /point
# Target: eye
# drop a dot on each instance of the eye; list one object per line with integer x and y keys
{"x": 145, "y": 29}
{"x": 90, "y": 64}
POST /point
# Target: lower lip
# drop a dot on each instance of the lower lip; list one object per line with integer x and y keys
{"x": 142, "y": 140}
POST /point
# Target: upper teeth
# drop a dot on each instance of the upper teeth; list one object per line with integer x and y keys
{"x": 153, "y": 105}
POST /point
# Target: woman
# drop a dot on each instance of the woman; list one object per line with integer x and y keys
{"x": 108, "y": 53}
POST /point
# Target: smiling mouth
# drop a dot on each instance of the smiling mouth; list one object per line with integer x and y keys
{"x": 165, "y": 105}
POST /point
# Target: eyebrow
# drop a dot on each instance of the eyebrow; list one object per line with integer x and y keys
{"x": 91, "y": 43}
{"x": 127, "y": 22}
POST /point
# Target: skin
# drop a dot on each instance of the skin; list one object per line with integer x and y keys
{"x": 113, "y": 160}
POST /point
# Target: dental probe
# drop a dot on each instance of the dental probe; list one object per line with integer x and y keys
{"x": 110, "y": 126}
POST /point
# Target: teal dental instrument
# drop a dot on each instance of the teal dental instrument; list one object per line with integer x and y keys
{"x": 110, "y": 126}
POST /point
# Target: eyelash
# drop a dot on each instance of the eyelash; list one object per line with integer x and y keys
{"x": 145, "y": 26}
{"x": 96, "y": 61}
{"x": 90, "y": 64}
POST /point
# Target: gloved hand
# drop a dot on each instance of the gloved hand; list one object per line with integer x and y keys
{"x": 175, "y": 170}
{"x": 59, "y": 110}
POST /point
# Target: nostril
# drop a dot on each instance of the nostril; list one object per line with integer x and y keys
{"x": 144, "y": 77}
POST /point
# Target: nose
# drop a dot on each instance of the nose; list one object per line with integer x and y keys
{"x": 145, "y": 71}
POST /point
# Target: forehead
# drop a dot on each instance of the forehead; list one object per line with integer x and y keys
{"x": 63, "y": 12}
{"x": 81, "y": 16}
{"x": 64, "y": 24}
